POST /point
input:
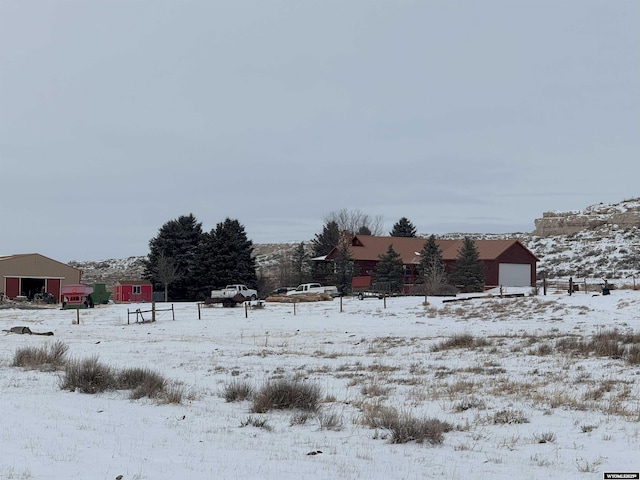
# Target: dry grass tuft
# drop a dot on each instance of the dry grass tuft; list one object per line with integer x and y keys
{"x": 405, "y": 428}
{"x": 237, "y": 390}
{"x": 46, "y": 357}
{"x": 509, "y": 417}
{"x": 463, "y": 340}
{"x": 88, "y": 376}
{"x": 142, "y": 381}
{"x": 283, "y": 394}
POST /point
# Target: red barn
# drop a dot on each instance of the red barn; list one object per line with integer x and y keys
{"x": 506, "y": 262}
{"x": 132, "y": 291}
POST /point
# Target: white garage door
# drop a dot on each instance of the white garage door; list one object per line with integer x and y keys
{"x": 514, "y": 275}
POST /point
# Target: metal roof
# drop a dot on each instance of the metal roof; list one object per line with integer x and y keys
{"x": 369, "y": 247}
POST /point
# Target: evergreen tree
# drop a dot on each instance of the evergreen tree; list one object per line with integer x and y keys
{"x": 430, "y": 255}
{"x": 206, "y": 268}
{"x": 300, "y": 268}
{"x": 469, "y": 269}
{"x": 432, "y": 269}
{"x": 364, "y": 230}
{"x": 390, "y": 271}
{"x": 234, "y": 261}
{"x": 177, "y": 241}
{"x": 325, "y": 241}
{"x": 322, "y": 244}
{"x": 403, "y": 228}
{"x": 343, "y": 267}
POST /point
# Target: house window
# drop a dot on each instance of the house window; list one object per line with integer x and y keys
{"x": 137, "y": 289}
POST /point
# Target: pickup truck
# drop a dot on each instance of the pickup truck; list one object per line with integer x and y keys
{"x": 315, "y": 288}
{"x": 232, "y": 294}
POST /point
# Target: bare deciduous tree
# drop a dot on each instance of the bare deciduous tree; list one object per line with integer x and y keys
{"x": 166, "y": 272}
{"x": 435, "y": 277}
{"x": 355, "y": 221}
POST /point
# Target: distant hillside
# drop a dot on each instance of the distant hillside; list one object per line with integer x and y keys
{"x": 602, "y": 241}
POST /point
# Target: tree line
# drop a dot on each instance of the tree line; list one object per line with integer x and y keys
{"x": 186, "y": 263}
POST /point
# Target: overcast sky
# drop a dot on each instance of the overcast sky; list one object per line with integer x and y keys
{"x": 117, "y": 116}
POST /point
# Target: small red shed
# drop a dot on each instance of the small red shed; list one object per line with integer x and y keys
{"x": 132, "y": 291}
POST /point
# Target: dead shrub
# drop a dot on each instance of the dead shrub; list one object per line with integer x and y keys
{"x": 633, "y": 354}
{"x": 50, "y": 356}
{"x": 463, "y": 340}
{"x": 258, "y": 422}
{"x": 508, "y": 417}
{"x": 88, "y": 376}
{"x": 237, "y": 390}
{"x": 546, "y": 437}
{"x": 172, "y": 394}
{"x": 542, "y": 350}
{"x": 468, "y": 404}
{"x": 299, "y": 418}
{"x": 283, "y": 394}
{"x": 611, "y": 343}
{"x": 142, "y": 381}
{"x": 330, "y": 420}
{"x": 405, "y": 428}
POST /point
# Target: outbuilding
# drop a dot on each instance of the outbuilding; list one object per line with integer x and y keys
{"x": 31, "y": 274}
{"x": 132, "y": 291}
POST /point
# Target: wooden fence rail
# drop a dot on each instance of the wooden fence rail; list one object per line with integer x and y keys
{"x": 140, "y": 317}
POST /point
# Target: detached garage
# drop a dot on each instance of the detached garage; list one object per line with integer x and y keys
{"x": 26, "y": 275}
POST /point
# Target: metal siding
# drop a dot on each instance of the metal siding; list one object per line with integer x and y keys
{"x": 52, "y": 286}
{"x": 12, "y": 287}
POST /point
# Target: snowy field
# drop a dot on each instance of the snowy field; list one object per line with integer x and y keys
{"x": 523, "y": 401}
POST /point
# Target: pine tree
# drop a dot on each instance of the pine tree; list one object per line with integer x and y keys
{"x": 322, "y": 244}
{"x": 469, "y": 269}
{"x": 432, "y": 268}
{"x": 343, "y": 267}
{"x": 234, "y": 254}
{"x": 325, "y": 241}
{"x": 177, "y": 241}
{"x": 300, "y": 268}
{"x": 403, "y": 228}
{"x": 206, "y": 268}
{"x": 390, "y": 271}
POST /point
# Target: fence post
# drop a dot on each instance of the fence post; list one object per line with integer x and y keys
{"x": 153, "y": 310}
{"x": 78, "y": 315}
{"x": 246, "y": 310}
{"x": 199, "y": 317}
{"x": 570, "y": 285}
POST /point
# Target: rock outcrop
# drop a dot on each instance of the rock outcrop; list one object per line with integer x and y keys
{"x": 623, "y": 215}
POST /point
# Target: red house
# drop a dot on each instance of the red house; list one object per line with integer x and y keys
{"x": 506, "y": 262}
{"x": 132, "y": 291}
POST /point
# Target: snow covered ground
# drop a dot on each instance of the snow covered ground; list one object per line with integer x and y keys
{"x": 520, "y": 405}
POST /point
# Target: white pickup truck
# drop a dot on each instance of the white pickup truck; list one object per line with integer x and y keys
{"x": 314, "y": 288}
{"x": 232, "y": 294}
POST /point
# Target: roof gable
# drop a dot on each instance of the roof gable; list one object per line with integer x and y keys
{"x": 369, "y": 248}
